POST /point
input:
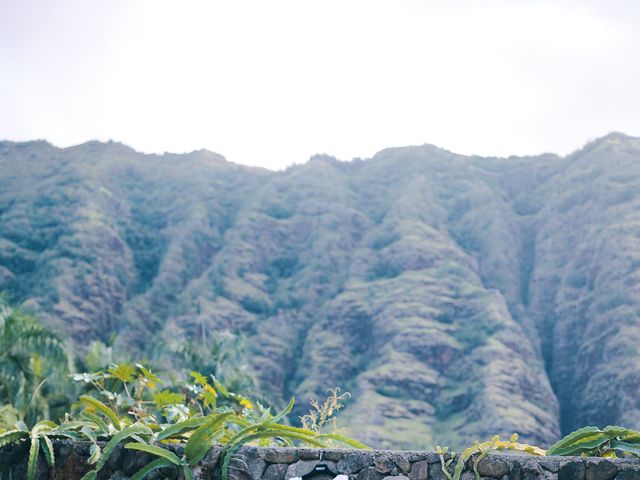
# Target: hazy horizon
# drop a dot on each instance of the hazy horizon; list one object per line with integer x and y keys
{"x": 273, "y": 84}
{"x": 317, "y": 154}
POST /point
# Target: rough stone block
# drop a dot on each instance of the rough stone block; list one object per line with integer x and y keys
{"x": 383, "y": 463}
{"x": 212, "y": 458}
{"x": 403, "y": 464}
{"x": 492, "y": 466}
{"x": 354, "y": 462}
{"x": 419, "y": 471}
{"x": 572, "y": 471}
{"x": 308, "y": 453}
{"x": 280, "y": 455}
{"x": 369, "y": 473}
{"x": 628, "y": 475}
{"x": 435, "y": 472}
{"x": 277, "y": 471}
{"x": 246, "y": 466}
{"x": 601, "y": 470}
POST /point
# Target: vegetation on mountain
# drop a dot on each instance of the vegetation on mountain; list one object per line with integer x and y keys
{"x": 455, "y": 297}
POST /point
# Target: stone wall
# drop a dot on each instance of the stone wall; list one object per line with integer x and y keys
{"x": 251, "y": 463}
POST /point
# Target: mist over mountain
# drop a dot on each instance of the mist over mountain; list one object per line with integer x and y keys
{"x": 456, "y": 297}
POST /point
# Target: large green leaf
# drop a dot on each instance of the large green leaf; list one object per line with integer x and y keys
{"x": 203, "y": 438}
{"x": 586, "y": 445}
{"x": 92, "y": 475}
{"x": 102, "y": 408}
{"x": 89, "y": 434}
{"x": 625, "y": 434}
{"x": 104, "y": 428}
{"x": 34, "y": 450}
{"x": 74, "y": 425}
{"x": 188, "y": 474}
{"x": 626, "y": 447}
{"x": 154, "y": 450}
{"x": 568, "y": 443}
{"x": 47, "y": 448}
{"x": 12, "y": 436}
{"x": 282, "y": 414}
{"x": 68, "y": 434}
{"x": 135, "y": 429}
{"x": 287, "y": 428}
{"x": 181, "y": 427}
{"x": 262, "y": 425}
{"x": 44, "y": 426}
{"x": 616, "y": 431}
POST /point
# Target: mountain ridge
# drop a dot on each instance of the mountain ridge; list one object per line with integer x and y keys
{"x": 451, "y": 294}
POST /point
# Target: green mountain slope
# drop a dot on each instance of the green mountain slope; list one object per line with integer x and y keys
{"x": 455, "y": 297}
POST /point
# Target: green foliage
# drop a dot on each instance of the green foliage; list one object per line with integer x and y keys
{"x": 612, "y": 441}
{"x": 38, "y": 437}
{"x": 29, "y": 353}
{"x": 124, "y": 405}
{"x": 9, "y": 416}
{"x": 12, "y": 436}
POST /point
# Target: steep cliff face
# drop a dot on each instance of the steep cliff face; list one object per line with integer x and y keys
{"x": 585, "y": 286}
{"x": 455, "y": 297}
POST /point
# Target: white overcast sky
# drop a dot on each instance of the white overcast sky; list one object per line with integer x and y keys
{"x": 271, "y": 82}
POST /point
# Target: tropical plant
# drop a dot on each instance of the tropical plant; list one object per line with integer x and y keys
{"x": 612, "y": 441}
{"x": 29, "y": 353}
{"x": 40, "y": 438}
{"x": 231, "y": 430}
{"x": 128, "y": 405}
